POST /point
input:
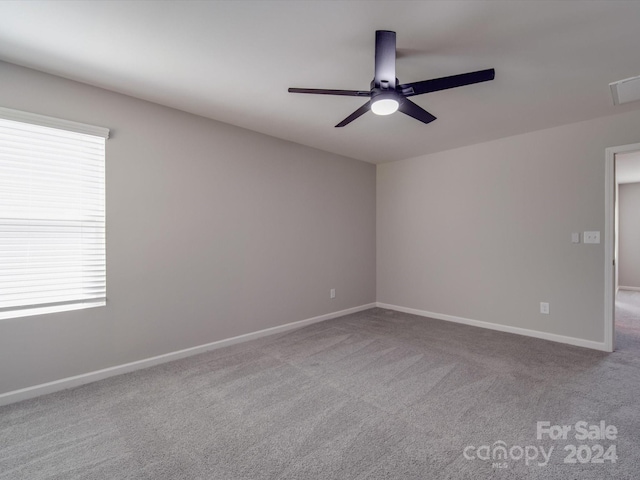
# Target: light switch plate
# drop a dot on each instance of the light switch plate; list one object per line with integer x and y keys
{"x": 575, "y": 237}
{"x": 591, "y": 237}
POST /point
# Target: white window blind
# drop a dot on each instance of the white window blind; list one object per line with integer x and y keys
{"x": 52, "y": 214}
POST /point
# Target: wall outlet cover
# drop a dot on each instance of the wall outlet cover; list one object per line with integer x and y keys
{"x": 591, "y": 237}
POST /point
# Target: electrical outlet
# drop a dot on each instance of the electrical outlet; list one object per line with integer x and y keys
{"x": 332, "y": 293}
{"x": 591, "y": 237}
{"x": 544, "y": 308}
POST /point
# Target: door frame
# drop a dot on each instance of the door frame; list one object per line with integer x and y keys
{"x": 609, "y": 242}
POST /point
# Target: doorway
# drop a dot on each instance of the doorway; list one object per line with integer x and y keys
{"x": 622, "y": 258}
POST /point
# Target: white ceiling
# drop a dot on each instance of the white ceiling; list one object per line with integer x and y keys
{"x": 234, "y": 60}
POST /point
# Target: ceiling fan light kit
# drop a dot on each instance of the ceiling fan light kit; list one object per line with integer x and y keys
{"x": 384, "y": 103}
{"x": 386, "y": 93}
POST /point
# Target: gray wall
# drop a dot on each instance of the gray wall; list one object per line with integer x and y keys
{"x": 484, "y": 232}
{"x": 629, "y": 235}
{"x": 212, "y": 232}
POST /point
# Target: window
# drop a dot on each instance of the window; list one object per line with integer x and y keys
{"x": 52, "y": 214}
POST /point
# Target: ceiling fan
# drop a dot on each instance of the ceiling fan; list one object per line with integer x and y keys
{"x": 387, "y": 95}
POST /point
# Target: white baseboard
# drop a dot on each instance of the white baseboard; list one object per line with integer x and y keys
{"x": 501, "y": 328}
{"x": 633, "y": 289}
{"x": 70, "y": 382}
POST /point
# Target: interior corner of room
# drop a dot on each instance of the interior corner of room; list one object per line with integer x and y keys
{"x": 216, "y": 233}
{"x": 216, "y": 262}
{"x": 249, "y": 233}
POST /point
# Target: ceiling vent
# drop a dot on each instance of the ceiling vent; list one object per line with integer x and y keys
{"x": 625, "y": 91}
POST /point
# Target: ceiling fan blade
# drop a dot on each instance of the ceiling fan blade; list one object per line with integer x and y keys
{"x": 358, "y": 113}
{"x": 409, "y": 108}
{"x": 437, "y": 84}
{"x": 321, "y": 91}
{"x": 385, "y": 74}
